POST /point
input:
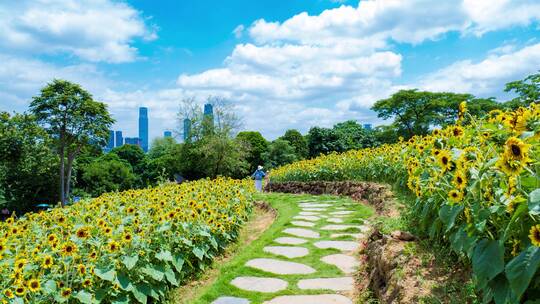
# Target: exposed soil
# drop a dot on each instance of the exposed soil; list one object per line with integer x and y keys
{"x": 370, "y": 193}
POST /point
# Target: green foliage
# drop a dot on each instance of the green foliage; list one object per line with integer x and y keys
{"x": 298, "y": 141}
{"x": 342, "y": 137}
{"x": 528, "y": 91}
{"x": 280, "y": 152}
{"x": 27, "y": 164}
{"x": 163, "y": 159}
{"x": 108, "y": 173}
{"x": 73, "y": 119}
{"x": 256, "y": 144}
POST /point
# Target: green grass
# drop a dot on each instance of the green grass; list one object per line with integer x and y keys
{"x": 287, "y": 207}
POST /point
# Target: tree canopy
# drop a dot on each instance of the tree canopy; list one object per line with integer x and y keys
{"x": 256, "y": 144}
{"x": 298, "y": 142}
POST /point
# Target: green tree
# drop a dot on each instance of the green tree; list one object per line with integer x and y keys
{"x": 163, "y": 159}
{"x": 108, "y": 173}
{"x": 256, "y": 144}
{"x": 27, "y": 164}
{"x": 73, "y": 119}
{"x": 322, "y": 141}
{"x": 280, "y": 152}
{"x": 527, "y": 90}
{"x": 298, "y": 141}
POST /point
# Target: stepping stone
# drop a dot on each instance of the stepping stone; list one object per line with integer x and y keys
{"x": 345, "y": 263}
{"x": 340, "y": 245}
{"x": 260, "y": 284}
{"x": 301, "y": 232}
{"x": 314, "y": 205}
{"x": 280, "y": 267}
{"x": 290, "y": 241}
{"x": 287, "y": 251}
{"x": 308, "y": 213}
{"x": 307, "y": 217}
{"x": 303, "y": 224}
{"x": 335, "y": 220}
{"x": 354, "y": 235}
{"x": 341, "y": 208}
{"x": 230, "y": 300}
{"x": 313, "y": 209}
{"x": 312, "y": 299}
{"x": 342, "y": 212}
{"x": 336, "y": 284}
{"x": 340, "y": 227}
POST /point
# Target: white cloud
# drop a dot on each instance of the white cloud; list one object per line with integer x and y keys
{"x": 93, "y": 30}
{"x": 487, "y": 77}
{"x": 239, "y": 31}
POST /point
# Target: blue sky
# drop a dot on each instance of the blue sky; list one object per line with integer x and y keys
{"x": 282, "y": 64}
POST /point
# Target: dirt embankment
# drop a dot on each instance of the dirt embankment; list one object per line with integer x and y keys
{"x": 370, "y": 193}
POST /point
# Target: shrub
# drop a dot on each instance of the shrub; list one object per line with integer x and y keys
{"x": 476, "y": 184}
{"x": 122, "y": 247}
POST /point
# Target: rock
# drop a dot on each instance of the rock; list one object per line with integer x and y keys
{"x": 301, "y": 232}
{"x": 340, "y": 245}
{"x": 287, "y": 251}
{"x": 231, "y": 300}
{"x": 340, "y": 227}
{"x": 317, "y": 205}
{"x": 260, "y": 284}
{"x": 280, "y": 267}
{"x": 354, "y": 235}
{"x": 336, "y": 284}
{"x": 307, "y": 218}
{"x": 345, "y": 263}
{"x": 335, "y": 220}
{"x": 342, "y": 212}
{"x": 311, "y": 299}
{"x": 303, "y": 223}
{"x": 313, "y": 209}
{"x": 308, "y": 213}
{"x": 403, "y": 236}
{"x": 290, "y": 241}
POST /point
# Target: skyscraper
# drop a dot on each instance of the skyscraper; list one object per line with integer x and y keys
{"x": 208, "y": 119}
{"x": 367, "y": 127}
{"x": 110, "y": 142}
{"x": 187, "y": 128}
{"x": 119, "y": 139}
{"x": 143, "y": 128}
{"x": 167, "y": 134}
{"x": 133, "y": 141}
{"x": 208, "y": 109}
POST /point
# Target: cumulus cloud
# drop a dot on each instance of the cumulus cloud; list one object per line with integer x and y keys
{"x": 239, "y": 31}
{"x": 93, "y": 30}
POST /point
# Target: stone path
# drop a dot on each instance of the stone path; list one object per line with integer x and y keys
{"x": 312, "y": 261}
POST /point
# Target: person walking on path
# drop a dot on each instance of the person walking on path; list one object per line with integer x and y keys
{"x": 258, "y": 176}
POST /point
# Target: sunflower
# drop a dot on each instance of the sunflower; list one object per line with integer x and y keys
{"x": 509, "y": 167}
{"x": 534, "y": 235}
{"x": 455, "y": 196}
{"x": 113, "y": 246}
{"x": 516, "y": 150}
{"x": 445, "y": 160}
{"x": 69, "y": 248}
{"x": 8, "y": 293}
{"x": 87, "y": 283}
{"x": 81, "y": 269}
{"x": 82, "y": 233}
{"x": 19, "y": 264}
{"x": 460, "y": 179}
{"x": 47, "y": 262}
{"x": 20, "y": 290}
{"x": 66, "y": 292}
{"x": 127, "y": 237}
{"x": 34, "y": 285}
{"x": 51, "y": 238}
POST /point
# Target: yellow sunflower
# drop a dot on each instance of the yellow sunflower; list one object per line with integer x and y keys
{"x": 516, "y": 150}
{"x": 460, "y": 179}
{"x": 445, "y": 160}
{"x": 534, "y": 235}
{"x": 34, "y": 285}
{"x": 455, "y": 195}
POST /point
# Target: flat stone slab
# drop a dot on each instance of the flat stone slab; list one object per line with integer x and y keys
{"x": 354, "y": 235}
{"x": 312, "y": 218}
{"x": 340, "y": 245}
{"x": 313, "y": 209}
{"x": 260, "y": 284}
{"x": 290, "y": 241}
{"x": 309, "y": 213}
{"x": 303, "y": 223}
{"x": 280, "y": 267}
{"x": 336, "y": 284}
{"x": 341, "y": 212}
{"x": 335, "y": 220}
{"x": 230, "y": 300}
{"x": 345, "y": 263}
{"x": 314, "y": 205}
{"x": 340, "y": 227}
{"x": 301, "y": 232}
{"x": 287, "y": 251}
{"x": 311, "y": 299}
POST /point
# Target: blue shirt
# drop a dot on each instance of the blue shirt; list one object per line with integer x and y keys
{"x": 258, "y": 174}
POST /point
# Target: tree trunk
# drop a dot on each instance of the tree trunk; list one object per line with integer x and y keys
{"x": 62, "y": 177}
{"x": 71, "y": 158}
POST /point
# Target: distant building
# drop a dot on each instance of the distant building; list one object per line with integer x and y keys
{"x": 110, "y": 141}
{"x": 133, "y": 141}
{"x": 187, "y": 128}
{"x": 119, "y": 139}
{"x": 167, "y": 134}
{"x": 368, "y": 127}
{"x": 208, "y": 109}
{"x": 143, "y": 128}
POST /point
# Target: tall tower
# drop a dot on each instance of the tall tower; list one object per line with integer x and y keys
{"x": 208, "y": 118}
{"x": 143, "y": 128}
{"x": 167, "y": 134}
{"x": 119, "y": 139}
{"x": 187, "y": 129}
{"x": 110, "y": 142}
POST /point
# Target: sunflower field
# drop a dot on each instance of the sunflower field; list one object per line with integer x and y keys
{"x": 128, "y": 247}
{"x": 477, "y": 189}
